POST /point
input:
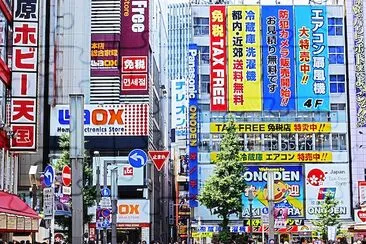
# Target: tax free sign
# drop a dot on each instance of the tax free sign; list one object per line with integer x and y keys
{"x": 105, "y": 120}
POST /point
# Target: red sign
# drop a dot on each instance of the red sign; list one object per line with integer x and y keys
{"x": 159, "y": 158}
{"x": 134, "y": 64}
{"x": 218, "y": 73}
{"x": 134, "y": 82}
{"x": 66, "y": 175}
{"x": 127, "y": 171}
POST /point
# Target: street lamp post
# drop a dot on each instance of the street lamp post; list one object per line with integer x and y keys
{"x": 250, "y": 199}
{"x": 97, "y": 163}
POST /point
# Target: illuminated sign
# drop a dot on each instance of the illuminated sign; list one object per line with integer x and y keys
{"x": 106, "y": 120}
{"x": 133, "y": 211}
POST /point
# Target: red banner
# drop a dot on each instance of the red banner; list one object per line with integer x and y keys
{"x": 134, "y": 47}
{"x": 218, "y": 75}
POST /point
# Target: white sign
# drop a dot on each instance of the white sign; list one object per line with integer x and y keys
{"x": 127, "y": 175}
{"x": 66, "y": 190}
{"x": 104, "y": 120}
{"x": 179, "y": 110}
{"x": 133, "y": 211}
{"x": 105, "y": 202}
{"x": 362, "y": 192}
{"x": 48, "y": 199}
{"x": 145, "y": 234}
{"x": 327, "y": 178}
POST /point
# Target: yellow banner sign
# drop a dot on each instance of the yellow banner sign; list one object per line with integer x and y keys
{"x": 244, "y": 58}
{"x": 274, "y": 127}
{"x": 281, "y": 157}
{"x": 202, "y": 234}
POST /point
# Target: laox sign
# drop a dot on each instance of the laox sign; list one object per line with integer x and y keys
{"x": 98, "y": 116}
{"x": 125, "y": 209}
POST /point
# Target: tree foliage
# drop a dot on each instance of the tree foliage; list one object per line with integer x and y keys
{"x": 223, "y": 190}
{"x": 89, "y": 191}
{"x": 327, "y": 217}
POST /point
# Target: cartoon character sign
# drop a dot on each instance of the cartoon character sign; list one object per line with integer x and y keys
{"x": 288, "y": 189}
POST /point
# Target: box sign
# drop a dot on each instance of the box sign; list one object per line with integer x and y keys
{"x": 133, "y": 211}
{"x": 322, "y": 179}
{"x": 105, "y": 120}
{"x": 127, "y": 175}
{"x": 24, "y": 99}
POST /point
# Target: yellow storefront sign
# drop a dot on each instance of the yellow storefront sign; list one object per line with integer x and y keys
{"x": 274, "y": 127}
{"x": 244, "y": 58}
{"x": 281, "y": 157}
{"x": 202, "y": 235}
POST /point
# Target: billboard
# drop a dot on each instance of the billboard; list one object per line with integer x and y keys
{"x": 134, "y": 47}
{"x": 104, "y": 120}
{"x": 133, "y": 211}
{"x": 312, "y": 84}
{"x": 218, "y": 62}
{"x": 288, "y": 190}
{"x": 278, "y": 58}
{"x": 24, "y": 92}
{"x": 282, "y": 157}
{"x": 104, "y": 55}
{"x": 179, "y": 110}
{"x": 327, "y": 178}
{"x": 193, "y": 124}
{"x": 127, "y": 175}
{"x": 244, "y": 58}
{"x": 264, "y": 127}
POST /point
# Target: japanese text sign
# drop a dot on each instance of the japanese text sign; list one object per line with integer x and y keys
{"x": 312, "y": 58}
{"x": 278, "y": 58}
{"x": 23, "y": 113}
{"x": 288, "y": 189}
{"x": 244, "y": 58}
{"x": 218, "y": 75}
{"x": 134, "y": 48}
{"x": 104, "y": 55}
{"x": 179, "y": 108}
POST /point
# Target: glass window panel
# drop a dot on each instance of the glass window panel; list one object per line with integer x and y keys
{"x": 340, "y": 59}
{"x": 305, "y": 142}
{"x": 339, "y": 21}
{"x": 332, "y": 59}
{"x": 331, "y": 21}
{"x": 331, "y": 30}
{"x": 288, "y": 142}
{"x": 339, "y": 30}
{"x": 270, "y": 142}
{"x": 333, "y": 87}
{"x": 254, "y": 142}
{"x": 322, "y": 142}
{"x": 341, "y": 88}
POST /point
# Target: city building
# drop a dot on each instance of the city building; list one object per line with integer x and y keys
{"x": 289, "y": 100}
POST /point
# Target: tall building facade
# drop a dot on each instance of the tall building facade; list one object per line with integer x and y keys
{"x": 283, "y": 76}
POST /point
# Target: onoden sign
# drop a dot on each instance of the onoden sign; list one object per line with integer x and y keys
{"x": 106, "y": 120}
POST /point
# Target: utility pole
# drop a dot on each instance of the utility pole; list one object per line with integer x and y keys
{"x": 97, "y": 162}
{"x": 77, "y": 159}
{"x": 114, "y": 194}
{"x": 270, "y": 189}
{"x": 105, "y": 172}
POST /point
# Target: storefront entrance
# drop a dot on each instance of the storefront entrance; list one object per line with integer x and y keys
{"x": 129, "y": 235}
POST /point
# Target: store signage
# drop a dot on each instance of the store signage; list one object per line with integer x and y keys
{"x": 360, "y": 216}
{"x": 104, "y": 120}
{"x": 218, "y": 61}
{"x": 133, "y": 211}
{"x": 24, "y": 92}
{"x": 327, "y": 178}
{"x": 264, "y": 127}
{"x": 179, "y": 108}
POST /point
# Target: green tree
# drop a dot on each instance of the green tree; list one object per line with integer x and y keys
{"x": 327, "y": 217}
{"x": 89, "y": 191}
{"x": 223, "y": 190}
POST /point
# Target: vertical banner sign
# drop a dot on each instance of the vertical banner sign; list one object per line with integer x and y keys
{"x": 134, "y": 48}
{"x": 244, "y": 56}
{"x": 179, "y": 110}
{"x": 312, "y": 58}
{"x": 218, "y": 76}
{"x": 193, "y": 124}
{"x": 278, "y": 58}
{"x": 23, "y": 114}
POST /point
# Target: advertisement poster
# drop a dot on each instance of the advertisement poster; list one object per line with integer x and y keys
{"x": 327, "y": 178}
{"x": 133, "y": 211}
{"x": 218, "y": 63}
{"x": 244, "y": 58}
{"x": 104, "y": 55}
{"x": 312, "y": 82}
{"x": 179, "y": 108}
{"x": 288, "y": 190}
{"x": 134, "y": 48}
{"x": 278, "y": 58}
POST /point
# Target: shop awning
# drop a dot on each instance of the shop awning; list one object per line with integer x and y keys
{"x": 12, "y": 204}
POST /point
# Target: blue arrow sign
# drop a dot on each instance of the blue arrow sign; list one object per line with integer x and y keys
{"x": 106, "y": 192}
{"x": 137, "y": 158}
{"x": 49, "y": 175}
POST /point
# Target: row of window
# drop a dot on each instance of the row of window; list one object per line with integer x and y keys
{"x": 201, "y": 26}
{"x": 337, "y": 83}
{"x": 280, "y": 142}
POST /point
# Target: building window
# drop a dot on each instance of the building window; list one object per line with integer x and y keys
{"x": 205, "y": 55}
{"x": 335, "y": 26}
{"x": 339, "y": 142}
{"x": 200, "y": 26}
{"x": 337, "y": 106}
{"x": 337, "y": 83}
{"x": 305, "y": 142}
{"x": 288, "y": 142}
{"x": 322, "y": 142}
{"x": 205, "y": 84}
{"x": 336, "y": 55}
{"x": 271, "y": 142}
{"x": 254, "y": 142}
